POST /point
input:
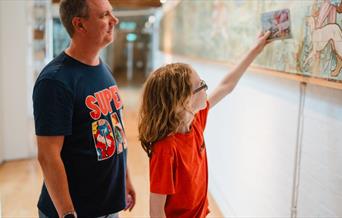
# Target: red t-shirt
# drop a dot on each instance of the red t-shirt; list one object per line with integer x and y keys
{"x": 178, "y": 168}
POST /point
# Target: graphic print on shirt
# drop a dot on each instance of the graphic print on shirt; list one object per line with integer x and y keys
{"x": 107, "y": 138}
{"x": 103, "y": 139}
{"x": 100, "y": 102}
{"x": 119, "y": 134}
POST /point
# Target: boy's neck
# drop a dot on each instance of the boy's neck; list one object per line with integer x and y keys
{"x": 187, "y": 121}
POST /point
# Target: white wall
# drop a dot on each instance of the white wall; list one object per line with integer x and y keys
{"x": 15, "y": 80}
{"x": 321, "y": 178}
{"x": 1, "y": 85}
{"x": 251, "y": 144}
{"x": 255, "y": 147}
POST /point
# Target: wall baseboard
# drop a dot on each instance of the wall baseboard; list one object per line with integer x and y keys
{"x": 220, "y": 200}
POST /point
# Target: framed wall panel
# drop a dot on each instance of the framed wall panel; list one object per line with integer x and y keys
{"x": 221, "y": 30}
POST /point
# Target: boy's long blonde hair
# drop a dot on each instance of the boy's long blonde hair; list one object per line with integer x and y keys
{"x": 165, "y": 97}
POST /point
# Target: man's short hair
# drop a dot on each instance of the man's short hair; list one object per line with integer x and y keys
{"x": 69, "y": 9}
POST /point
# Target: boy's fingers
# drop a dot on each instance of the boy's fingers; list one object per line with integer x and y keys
{"x": 267, "y": 34}
{"x": 260, "y": 33}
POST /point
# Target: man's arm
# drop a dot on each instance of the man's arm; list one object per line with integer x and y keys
{"x": 231, "y": 79}
{"x": 157, "y": 205}
{"x": 49, "y": 149}
{"x": 130, "y": 196}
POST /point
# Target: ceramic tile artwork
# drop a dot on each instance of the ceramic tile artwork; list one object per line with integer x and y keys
{"x": 224, "y": 30}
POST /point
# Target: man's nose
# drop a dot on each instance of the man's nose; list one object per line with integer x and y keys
{"x": 115, "y": 20}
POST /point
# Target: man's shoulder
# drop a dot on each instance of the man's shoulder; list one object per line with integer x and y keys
{"x": 58, "y": 70}
{"x": 53, "y": 68}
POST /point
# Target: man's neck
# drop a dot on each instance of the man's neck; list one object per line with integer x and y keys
{"x": 84, "y": 53}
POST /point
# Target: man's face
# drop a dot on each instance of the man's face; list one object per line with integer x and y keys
{"x": 100, "y": 24}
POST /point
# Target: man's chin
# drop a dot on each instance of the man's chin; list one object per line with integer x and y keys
{"x": 109, "y": 41}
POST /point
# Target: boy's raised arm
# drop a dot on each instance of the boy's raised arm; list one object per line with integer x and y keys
{"x": 231, "y": 79}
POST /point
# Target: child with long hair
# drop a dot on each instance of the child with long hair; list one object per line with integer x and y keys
{"x": 172, "y": 119}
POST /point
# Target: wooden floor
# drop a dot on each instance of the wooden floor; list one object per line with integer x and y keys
{"x": 20, "y": 181}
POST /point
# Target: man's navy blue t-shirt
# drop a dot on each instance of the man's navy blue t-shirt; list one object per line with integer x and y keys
{"x": 82, "y": 103}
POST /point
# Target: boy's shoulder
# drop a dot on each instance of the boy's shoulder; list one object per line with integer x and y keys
{"x": 166, "y": 144}
{"x": 168, "y": 140}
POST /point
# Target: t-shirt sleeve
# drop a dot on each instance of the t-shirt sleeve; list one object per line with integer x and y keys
{"x": 203, "y": 114}
{"x": 162, "y": 170}
{"x": 52, "y": 108}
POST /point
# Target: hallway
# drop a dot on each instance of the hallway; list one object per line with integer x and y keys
{"x": 21, "y": 180}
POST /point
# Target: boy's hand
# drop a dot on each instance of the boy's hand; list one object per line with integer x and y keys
{"x": 262, "y": 41}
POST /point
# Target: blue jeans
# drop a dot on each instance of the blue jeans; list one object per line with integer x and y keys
{"x": 113, "y": 215}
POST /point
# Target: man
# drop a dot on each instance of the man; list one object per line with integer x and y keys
{"x": 77, "y": 111}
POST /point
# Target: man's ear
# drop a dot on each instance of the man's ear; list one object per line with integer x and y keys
{"x": 78, "y": 25}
